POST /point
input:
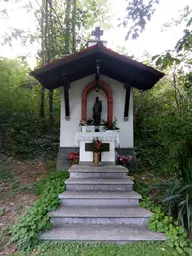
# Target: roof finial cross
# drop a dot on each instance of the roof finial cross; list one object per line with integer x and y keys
{"x": 97, "y": 33}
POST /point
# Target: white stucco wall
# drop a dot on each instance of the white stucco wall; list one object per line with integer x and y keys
{"x": 68, "y": 128}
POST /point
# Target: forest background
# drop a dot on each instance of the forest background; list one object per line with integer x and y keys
{"x": 29, "y": 114}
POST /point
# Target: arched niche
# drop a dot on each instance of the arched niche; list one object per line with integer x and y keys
{"x": 107, "y": 90}
{"x": 91, "y": 97}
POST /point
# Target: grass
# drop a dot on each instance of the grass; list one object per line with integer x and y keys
{"x": 83, "y": 249}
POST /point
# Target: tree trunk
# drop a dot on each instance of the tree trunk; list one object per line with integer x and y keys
{"x": 51, "y": 56}
{"x": 67, "y": 26}
{"x": 73, "y": 27}
{"x": 42, "y": 96}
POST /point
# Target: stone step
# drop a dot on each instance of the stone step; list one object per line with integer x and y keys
{"x": 121, "y": 234}
{"x": 98, "y": 174}
{"x": 100, "y": 215}
{"x": 93, "y": 168}
{"x": 84, "y": 171}
{"x": 99, "y": 198}
{"x": 104, "y": 184}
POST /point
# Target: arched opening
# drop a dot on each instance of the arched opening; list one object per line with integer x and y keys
{"x": 103, "y": 86}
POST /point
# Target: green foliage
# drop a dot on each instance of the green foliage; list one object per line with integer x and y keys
{"x": 113, "y": 126}
{"x": 138, "y": 13}
{"x": 34, "y": 144}
{"x": 83, "y": 249}
{"x": 177, "y": 236}
{"x": 142, "y": 188}
{"x": 162, "y": 122}
{"x": 22, "y": 133}
{"x": 26, "y": 231}
{"x": 163, "y": 115}
{"x": 29, "y": 119}
{"x": 58, "y": 24}
{"x": 150, "y": 153}
{"x": 178, "y": 198}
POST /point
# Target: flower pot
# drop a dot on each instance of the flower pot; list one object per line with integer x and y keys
{"x": 110, "y": 131}
{"x": 90, "y": 128}
{"x": 101, "y": 128}
{"x": 83, "y": 128}
{"x": 96, "y": 158}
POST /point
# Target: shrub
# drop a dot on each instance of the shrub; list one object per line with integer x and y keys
{"x": 159, "y": 222}
{"x": 26, "y": 231}
{"x": 177, "y": 199}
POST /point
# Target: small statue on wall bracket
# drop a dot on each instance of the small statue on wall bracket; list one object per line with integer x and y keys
{"x": 97, "y": 109}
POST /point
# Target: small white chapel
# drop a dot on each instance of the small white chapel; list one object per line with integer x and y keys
{"x": 96, "y": 72}
{"x": 98, "y": 204}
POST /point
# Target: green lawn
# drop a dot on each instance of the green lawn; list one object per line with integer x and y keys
{"x": 81, "y": 249}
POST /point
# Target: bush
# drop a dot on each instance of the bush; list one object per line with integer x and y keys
{"x": 177, "y": 199}
{"x": 162, "y": 129}
{"x": 23, "y": 133}
{"x": 159, "y": 222}
{"x": 25, "y": 233}
{"x": 27, "y": 139}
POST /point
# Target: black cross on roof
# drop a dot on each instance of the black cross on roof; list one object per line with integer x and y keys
{"x": 97, "y": 33}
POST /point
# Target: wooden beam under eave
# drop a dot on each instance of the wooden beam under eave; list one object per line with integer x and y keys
{"x": 127, "y": 100}
{"x": 66, "y": 98}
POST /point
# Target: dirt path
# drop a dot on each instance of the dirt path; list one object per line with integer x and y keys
{"x": 17, "y": 180}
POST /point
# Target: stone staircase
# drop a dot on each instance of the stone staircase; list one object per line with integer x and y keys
{"x": 99, "y": 205}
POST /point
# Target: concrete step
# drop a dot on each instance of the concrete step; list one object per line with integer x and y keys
{"x": 84, "y": 171}
{"x": 99, "y": 198}
{"x": 121, "y": 234}
{"x": 101, "y": 168}
{"x": 100, "y": 215}
{"x": 104, "y": 174}
{"x": 102, "y": 184}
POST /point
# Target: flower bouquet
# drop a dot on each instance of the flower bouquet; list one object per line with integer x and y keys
{"x": 123, "y": 160}
{"x": 96, "y": 147}
{"x": 82, "y": 123}
{"x": 73, "y": 158}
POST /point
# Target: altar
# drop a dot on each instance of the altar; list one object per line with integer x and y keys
{"x": 86, "y": 156}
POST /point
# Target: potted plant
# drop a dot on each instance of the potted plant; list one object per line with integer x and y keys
{"x": 96, "y": 147}
{"x": 102, "y": 125}
{"x": 123, "y": 160}
{"x": 111, "y": 127}
{"x": 82, "y": 123}
{"x": 73, "y": 158}
{"x": 90, "y": 125}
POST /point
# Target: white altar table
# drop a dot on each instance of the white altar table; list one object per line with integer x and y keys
{"x": 111, "y": 137}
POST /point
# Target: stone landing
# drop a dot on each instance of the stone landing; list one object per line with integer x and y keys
{"x": 99, "y": 205}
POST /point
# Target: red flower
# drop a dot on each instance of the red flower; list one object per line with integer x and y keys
{"x": 73, "y": 157}
{"x": 123, "y": 160}
{"x": 96, "y": 145}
